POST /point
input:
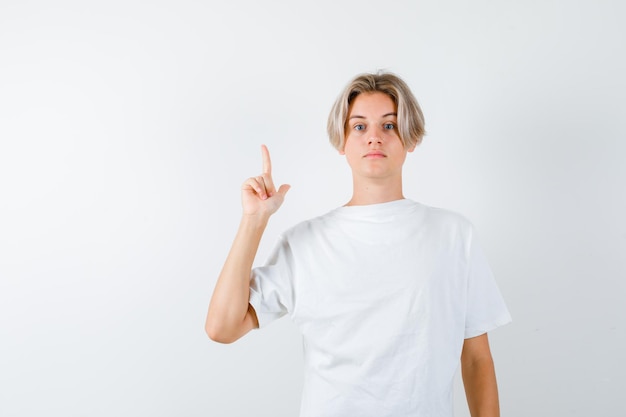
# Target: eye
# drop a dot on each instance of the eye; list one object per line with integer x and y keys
{"x": 389, "y": 126}
{"x": 359, "y": 127}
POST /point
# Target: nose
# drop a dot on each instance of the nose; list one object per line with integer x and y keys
{"x": 375, "y": 137}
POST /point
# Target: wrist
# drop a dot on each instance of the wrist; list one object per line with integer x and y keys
{"x": 255, "y": 221}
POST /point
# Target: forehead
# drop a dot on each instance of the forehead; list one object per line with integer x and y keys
{"x": 372, "y": 104}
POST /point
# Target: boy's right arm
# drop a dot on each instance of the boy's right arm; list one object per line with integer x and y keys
{"x": 230, "y": 315}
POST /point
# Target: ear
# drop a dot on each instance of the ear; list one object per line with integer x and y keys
{"x": 411, "y": 149}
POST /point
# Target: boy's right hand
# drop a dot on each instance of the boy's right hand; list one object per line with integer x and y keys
{"x": 258, "y": 194}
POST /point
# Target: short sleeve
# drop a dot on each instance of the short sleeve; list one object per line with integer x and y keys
{"x": 485, "y": 308}
{"x": 271, "y": 289}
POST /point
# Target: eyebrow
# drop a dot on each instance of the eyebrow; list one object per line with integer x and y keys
{"x": 356, "y": 116}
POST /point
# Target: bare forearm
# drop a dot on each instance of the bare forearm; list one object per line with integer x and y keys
{"x": 229, "y": 303}
{"x": 481, "y": 389}
{"x": 230, "y": 315}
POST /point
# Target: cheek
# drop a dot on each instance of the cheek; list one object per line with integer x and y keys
{"x": 350, "y": 151}
{"x": 348, "y": 145}
{"x": 392, "y": 134}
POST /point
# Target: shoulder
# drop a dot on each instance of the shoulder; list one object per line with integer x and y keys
{"x": 445, "y": 218}
{"x": 307, "y": 228}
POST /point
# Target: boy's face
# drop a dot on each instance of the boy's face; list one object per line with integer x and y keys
{"x": 372, "y": 147}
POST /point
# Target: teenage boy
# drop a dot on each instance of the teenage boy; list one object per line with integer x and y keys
{"x": 388, "y": 293}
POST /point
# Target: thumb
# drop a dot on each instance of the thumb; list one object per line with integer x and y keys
{"x": 283, "y": 189}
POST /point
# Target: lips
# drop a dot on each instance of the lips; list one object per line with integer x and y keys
{"x": 375, "y": 154}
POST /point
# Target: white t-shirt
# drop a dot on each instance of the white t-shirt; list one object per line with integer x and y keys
{"x": 384, "y": 296}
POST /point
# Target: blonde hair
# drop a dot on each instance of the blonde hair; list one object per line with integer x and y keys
{"x": 410, "y": 118}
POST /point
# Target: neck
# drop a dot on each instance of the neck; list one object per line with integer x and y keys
{"x": 375, "y": 192}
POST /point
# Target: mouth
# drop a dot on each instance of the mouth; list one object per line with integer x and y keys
{"x": 374, "y": 155}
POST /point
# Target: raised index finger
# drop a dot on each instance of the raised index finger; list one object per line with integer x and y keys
{"x": 267, "y": 163}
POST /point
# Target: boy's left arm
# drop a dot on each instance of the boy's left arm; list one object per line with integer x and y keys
{"x": 479, "y": 377}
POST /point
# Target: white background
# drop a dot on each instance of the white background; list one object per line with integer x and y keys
{"x": 127, "y": 127}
